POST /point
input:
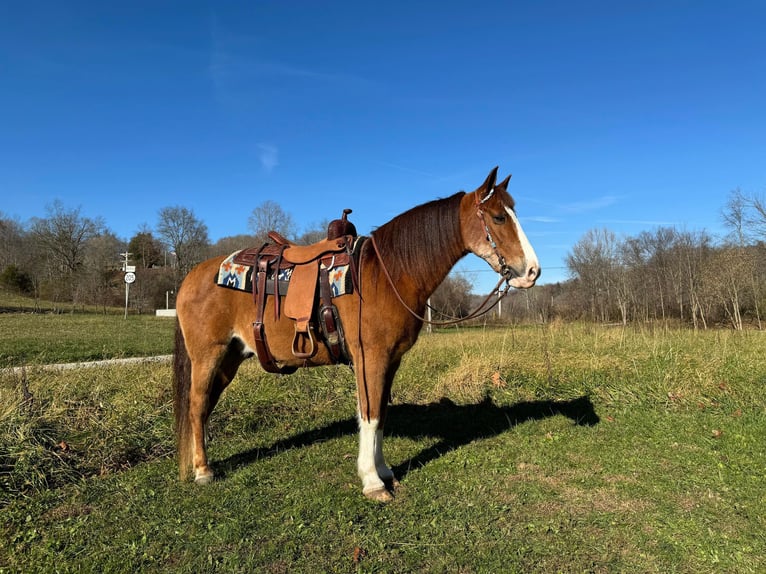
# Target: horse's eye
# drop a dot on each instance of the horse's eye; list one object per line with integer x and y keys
{"x": 499, "y": 219}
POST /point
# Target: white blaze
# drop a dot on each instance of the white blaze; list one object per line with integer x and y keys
{"x": 530, "y": 258}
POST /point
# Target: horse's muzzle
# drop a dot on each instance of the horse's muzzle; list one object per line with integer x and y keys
{"x": 519, "y": 280}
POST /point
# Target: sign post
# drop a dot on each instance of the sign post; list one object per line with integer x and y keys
{"x": 130, "y": 277}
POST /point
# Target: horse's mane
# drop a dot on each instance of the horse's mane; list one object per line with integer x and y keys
{"x": 424, "y": 242}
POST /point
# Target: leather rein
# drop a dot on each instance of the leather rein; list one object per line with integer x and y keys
{"x": 505, "y": 270}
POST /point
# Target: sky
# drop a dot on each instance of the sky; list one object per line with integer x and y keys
{"x": 624, "y": 115}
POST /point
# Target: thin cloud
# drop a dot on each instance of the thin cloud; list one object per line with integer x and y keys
{"x": 268, "y": 155}
{"x": 592, "y": 205}
{"x": 238, "y": 68}
{"x": 638, "y": 222}
{"x": 541, "y": 219}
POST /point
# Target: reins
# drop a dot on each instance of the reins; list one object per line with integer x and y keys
{"x": 478, "y": 312}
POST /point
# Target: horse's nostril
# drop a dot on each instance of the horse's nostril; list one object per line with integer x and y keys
{"x": 533, "y": 272}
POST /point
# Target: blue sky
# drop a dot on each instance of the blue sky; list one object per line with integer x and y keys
{"x": 626, "y": 115}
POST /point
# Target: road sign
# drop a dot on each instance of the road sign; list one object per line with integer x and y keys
{"x": 130, "y": 277}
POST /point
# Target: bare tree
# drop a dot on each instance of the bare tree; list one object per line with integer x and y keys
{"x": 315, "y": 232}
{"x": 63, "y": 237}
{"x": 232, "y": 243}
{"x": 594, "y": 261}
{"x": 693, "y": 249}
{"x": 453, "y": 297}
{"x": 185, "y": 235}
{"x": 724, "y": 287}
{"x": 745, "y": 217}
{"x": 735, "y": 216}
{"x": 269, "y": 216}
{"x": 757, "y": 219}
{"x": 102, "y": 281}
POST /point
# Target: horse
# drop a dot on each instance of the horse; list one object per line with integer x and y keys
{"x": 398, "y": 269}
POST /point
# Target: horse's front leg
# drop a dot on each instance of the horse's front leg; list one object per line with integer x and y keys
{"x": 370, "y": 464}
{"x": 376, "y": 475}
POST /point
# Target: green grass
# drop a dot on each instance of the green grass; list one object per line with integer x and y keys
{"x": 30, "y": 339}
{"x": 563, "y": 448}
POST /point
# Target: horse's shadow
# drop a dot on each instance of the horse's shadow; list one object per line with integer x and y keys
{"x": 454, "y": 425}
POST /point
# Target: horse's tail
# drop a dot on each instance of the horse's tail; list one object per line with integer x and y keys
{"x": 181, "y": 387}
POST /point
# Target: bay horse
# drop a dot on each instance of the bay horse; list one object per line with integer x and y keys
{"x": 398, "y": 271}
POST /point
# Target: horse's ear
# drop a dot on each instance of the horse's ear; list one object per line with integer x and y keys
{"x": 489, "y": 183}
{"x": 504, "y": 184}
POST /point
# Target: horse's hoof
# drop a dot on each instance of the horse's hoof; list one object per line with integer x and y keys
{"x": 203, "y": 478}
{"x": 392, "y": 483}
{"x": 379, "y": 495}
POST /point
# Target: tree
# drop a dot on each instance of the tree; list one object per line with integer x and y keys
{"x": 692, "y": 250}
{"x": 725, "y": 287}
{"x": 453, "y": 297}
{"x": 269, "y": 216}
{"x": 14, "y": 256}
{"x": 230, "y": 244}
{"x": 595, "y": 262}
{"x": 185, "y": 235}
{"x": 757, "y": 215}
{"x": 16, "y": 279}
{"x": 735, "y": 216}
{"x": 63, "y": 237}
{"x": 145, "y": 249}
{"x": 314, "y": 233}
{"x": 102, "y": 282}
{"x": 745, "y": 217}
{"x": 11, "y": 242}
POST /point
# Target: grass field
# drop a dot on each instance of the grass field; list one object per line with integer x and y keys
{"x": 557, "y": 448}
{"x": 28, "y": 339}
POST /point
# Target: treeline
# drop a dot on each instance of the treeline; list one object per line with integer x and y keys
{"x": 663, "y": 274}
{"x": 668, "y": 273}
{"x": 74, "y": 261}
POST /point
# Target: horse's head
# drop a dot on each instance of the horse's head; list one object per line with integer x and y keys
{"x": 493, "y": 232}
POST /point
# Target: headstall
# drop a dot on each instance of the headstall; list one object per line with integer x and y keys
{"x": 505, "y": 270}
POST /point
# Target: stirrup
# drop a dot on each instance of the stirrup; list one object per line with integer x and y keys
{"x": 302, "y": 336}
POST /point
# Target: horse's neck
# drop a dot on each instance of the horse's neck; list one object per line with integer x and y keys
{"x": 437, "y": 278}
{"x": 423, "y": 245}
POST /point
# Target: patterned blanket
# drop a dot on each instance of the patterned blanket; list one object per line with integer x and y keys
{"x": 240, "y": 277}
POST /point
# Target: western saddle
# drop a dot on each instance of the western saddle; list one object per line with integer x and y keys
{"x": 310, "y": 266}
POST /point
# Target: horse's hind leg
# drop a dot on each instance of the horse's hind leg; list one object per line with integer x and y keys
{"x": 202, "y": 376}
{"x": 208, "y": 381}
{"x": 209, "y": 378}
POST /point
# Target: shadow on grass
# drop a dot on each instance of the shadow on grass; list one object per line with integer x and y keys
{"x": 455, "y": 426}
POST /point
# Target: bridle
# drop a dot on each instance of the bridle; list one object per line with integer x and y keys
{"x": 506, "y": 271}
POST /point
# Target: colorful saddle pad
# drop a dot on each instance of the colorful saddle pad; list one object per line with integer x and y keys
{"x": 240, "y": 277}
